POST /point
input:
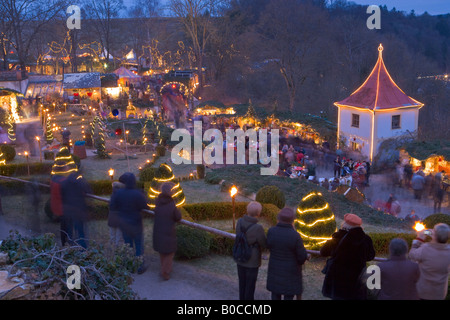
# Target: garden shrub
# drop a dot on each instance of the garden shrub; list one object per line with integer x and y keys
{"x": 381, "y": 241}
{"x": 8, "y": 152}
{"x": 21, "y": 169}
{"x": 271, "y": 194}
{"x": 160, "y": 151}
{"x": 49, "y": 155}
{"x": 192, "y": 243}
{"x": 147, "y": 174}
{"x": 436, "y": 218}
{"x": 201, "y": 171}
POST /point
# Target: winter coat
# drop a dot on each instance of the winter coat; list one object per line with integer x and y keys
{"x": 256, "y": 238}
{"x": 434, "y": 263}
{"x": 113, "y": 216}
{"x": 399, "y": 277}
{"x": 129, "y": 202}
{"x": 73, "y": 194}
{"x": 342, "y": 281}
{"x": 417, "y": 182}
{"x": 287, "y": 255}
{"x": 166, "y": 216}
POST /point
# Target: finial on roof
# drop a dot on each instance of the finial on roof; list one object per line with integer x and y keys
{"x": 380, "y": 48}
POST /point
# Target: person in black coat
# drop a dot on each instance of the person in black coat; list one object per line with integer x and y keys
{"x": 287, "y": 255}
{"x": 73, "y": 193}
{"x": 129, "y": 202}
{"x": 164, "y": 233}
{"x": 350, "y": 249}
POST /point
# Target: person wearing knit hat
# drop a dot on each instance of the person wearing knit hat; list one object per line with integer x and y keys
{"x": 349, "y": 250}
{"x": 287, "y": 255}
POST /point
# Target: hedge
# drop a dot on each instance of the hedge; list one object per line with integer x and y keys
{"x": 21, "y": 169}
{"x": 224, "y": 210}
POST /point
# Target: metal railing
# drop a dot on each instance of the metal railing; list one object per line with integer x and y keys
{"x": 182, "y": 221}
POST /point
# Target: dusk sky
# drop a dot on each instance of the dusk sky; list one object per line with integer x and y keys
{"x": 433, "y": 7}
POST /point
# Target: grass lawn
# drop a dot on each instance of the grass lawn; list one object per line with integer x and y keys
{"x": 248, "y": 179}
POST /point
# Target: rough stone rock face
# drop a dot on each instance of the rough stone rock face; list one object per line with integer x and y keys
{"x": 13, "y": 288}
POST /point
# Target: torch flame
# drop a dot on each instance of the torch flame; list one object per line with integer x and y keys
{"x": 419, "y": 226}
{"x": 233, "y": 191}
{"x": 111, "y": 172}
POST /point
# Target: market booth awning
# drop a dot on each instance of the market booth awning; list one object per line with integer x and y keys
{"x": 435, "y": 155}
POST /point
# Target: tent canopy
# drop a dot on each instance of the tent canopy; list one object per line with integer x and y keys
{"x": 123, "y": 72}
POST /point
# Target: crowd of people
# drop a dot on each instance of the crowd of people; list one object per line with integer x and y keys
{"x": 124, "y": 217}
{"x": 421, "y": 275}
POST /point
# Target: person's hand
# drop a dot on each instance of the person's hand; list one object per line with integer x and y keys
{"x": 421, "y": 235}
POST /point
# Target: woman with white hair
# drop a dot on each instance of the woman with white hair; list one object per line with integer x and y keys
{"x": 433, "y": 258}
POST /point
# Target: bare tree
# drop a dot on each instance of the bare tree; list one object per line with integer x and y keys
{"x": 102, "y": 13}
{"x": 289, "y": 29}
{"x": 25, "y": 19}
{"x": 196, "y": 17}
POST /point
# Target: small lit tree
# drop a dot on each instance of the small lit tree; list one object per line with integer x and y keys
{"x": 48, "y": 131}
{"x": 314, "y": 220}
{"x": 165, "y": 174}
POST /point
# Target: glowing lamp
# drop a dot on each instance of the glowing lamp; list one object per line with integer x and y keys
{"x": 233, "y": 191}
{"x": 111, "y": 174}
{"x": 419, "y": 226}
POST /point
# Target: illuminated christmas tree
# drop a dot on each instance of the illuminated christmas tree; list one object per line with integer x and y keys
{"x": 165, "y": 174}
{"x": 64, "y": 163}
{"x": 314, "y": 220}
{"x": 12, "y": 128}
{"x": 2, "y": 158}
{"x": 100, "y": 141}
{"x": 48, "y": 131}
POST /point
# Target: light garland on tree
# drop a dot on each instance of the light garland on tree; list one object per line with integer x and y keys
{"x": 64, "y": 163}
{"x": 11, "y": 129}
{"x": 2, "y": 158}
{"x": 48, "y": 132}
{"x": 315, "y": 221}
{"x": 165, "y": 174}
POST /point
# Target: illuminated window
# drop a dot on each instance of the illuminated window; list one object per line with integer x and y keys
{"x": 396, "y": 122}
{"x": 355, "y": 120}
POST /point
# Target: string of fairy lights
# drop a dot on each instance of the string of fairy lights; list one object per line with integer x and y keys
{"x": 165, "y": 174}
{"x": 315, "y": 221}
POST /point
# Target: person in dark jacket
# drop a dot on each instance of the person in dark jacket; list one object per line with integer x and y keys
{"x": 164, "y": 233}
{"x": 399, "y": 275}
{"x": 113, "y": 219}
{"x": 350, "y": 249}
{"x": 73, "y": 194}
{"x": 129, "y": 202}
{"x": 256, "y": 238}
{"x": 287, "y": 255}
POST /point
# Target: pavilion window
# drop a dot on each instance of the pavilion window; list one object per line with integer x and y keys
{"x": 355, "y": 120}
{"x": 396, "y": 122}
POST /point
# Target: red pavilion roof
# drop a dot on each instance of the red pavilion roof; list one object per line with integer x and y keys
{"x": 379, "y": 91}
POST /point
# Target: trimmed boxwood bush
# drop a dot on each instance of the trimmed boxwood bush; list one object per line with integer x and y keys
{"x": 8, "y": 151}
{"x": 192, "y": 243}
{"x": 381, "y": 240}
{"x": 224, "y": 210}
{"x": 200, "y": 171}
{"x": 271, "y": 194}
{"x": 147, "y": 174}
{"x": 436, "y": 218}
{"x": 160, "y": 151}
{"x": 21, "y": 169}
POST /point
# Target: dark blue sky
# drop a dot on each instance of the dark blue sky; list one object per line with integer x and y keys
{"x": 433, "y": 7}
